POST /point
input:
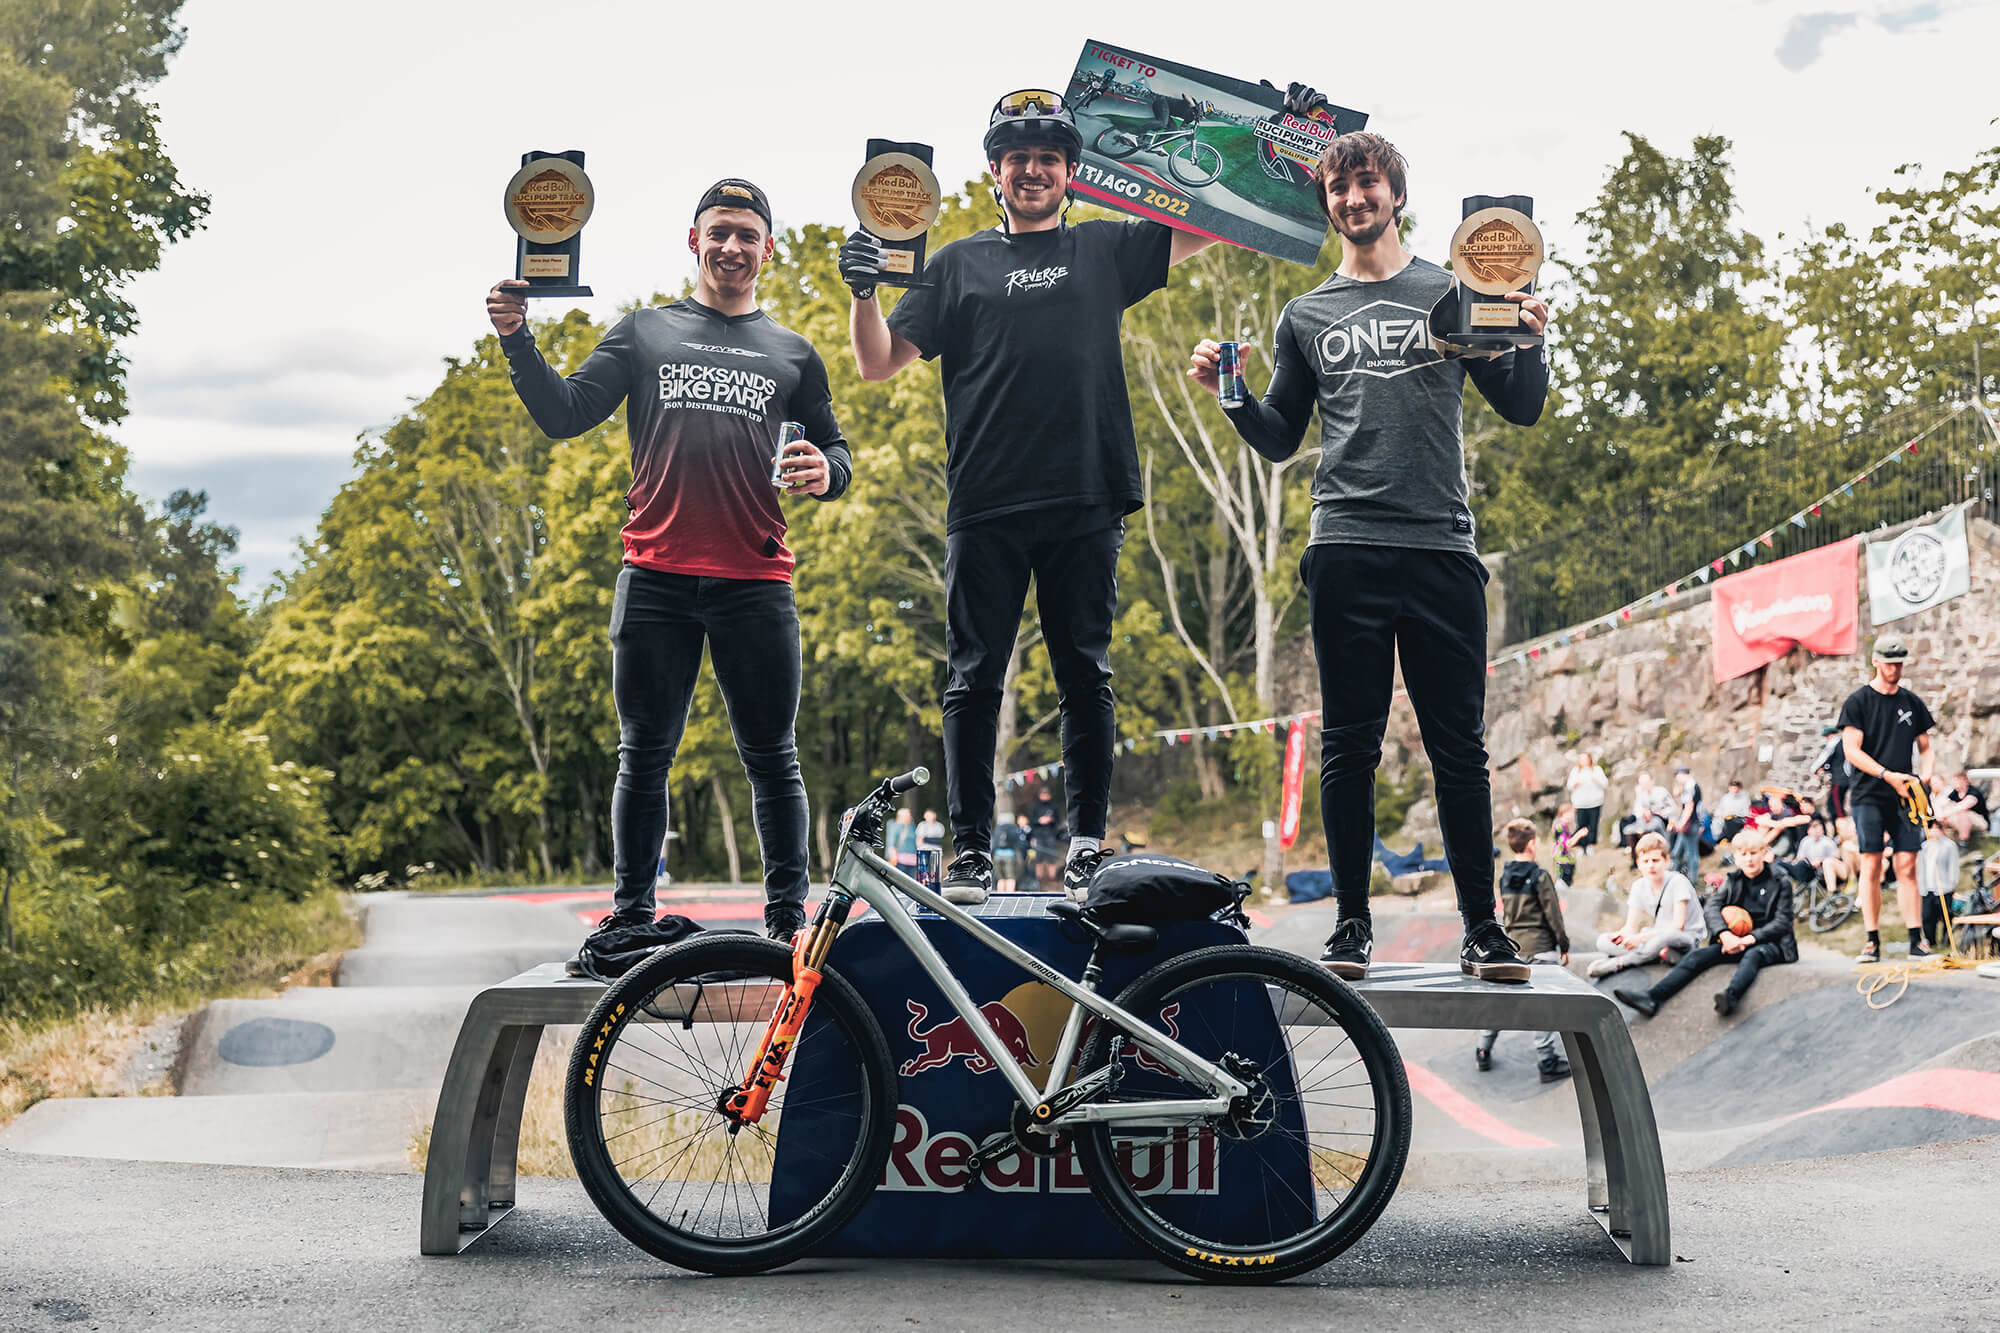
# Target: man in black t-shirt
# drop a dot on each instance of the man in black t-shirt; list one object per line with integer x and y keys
{"x": 1884, "y": 730}
{"x": 1024, "y": 321}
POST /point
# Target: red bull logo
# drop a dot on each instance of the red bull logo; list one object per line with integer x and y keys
{"x": 1184, "y": 1162}
{"x": 950, "y": 1038}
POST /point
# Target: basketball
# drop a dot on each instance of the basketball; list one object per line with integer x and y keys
{"x": 1736, "y": 919}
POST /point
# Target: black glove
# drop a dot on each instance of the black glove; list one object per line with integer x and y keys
{"x": 861, "y": 264}
{"x": 1300, "y": 100}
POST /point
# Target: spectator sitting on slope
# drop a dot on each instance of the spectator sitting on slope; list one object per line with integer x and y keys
{"x": 1962, "y": 792}
{"x": 1956, "y": 811}
{"x": 1819, "y": 851}
{"x": 1660, "y": 915}
{"x": 1750, "y": 921}
{"x": 1732, "y": 808}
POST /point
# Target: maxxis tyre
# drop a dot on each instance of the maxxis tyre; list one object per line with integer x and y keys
{"x": 1363, "y": 1206}
{"x": 1116, "y": 143}
{"x": 839, "y": 1001}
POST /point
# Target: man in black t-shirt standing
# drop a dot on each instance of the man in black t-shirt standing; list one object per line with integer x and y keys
{"x": 1885, "y": 734}
{"x": 1041, "y": 466}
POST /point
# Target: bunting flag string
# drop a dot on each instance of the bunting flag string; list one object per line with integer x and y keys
{"x": 1562, "y": 638}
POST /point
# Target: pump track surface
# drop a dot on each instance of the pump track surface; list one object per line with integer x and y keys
{"x": 1837, "y": 1159}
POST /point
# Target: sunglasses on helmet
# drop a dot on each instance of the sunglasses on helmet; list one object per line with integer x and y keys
{"x": 1028, "y": 102}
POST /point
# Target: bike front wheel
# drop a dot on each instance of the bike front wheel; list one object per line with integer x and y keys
{"x": 1300, "y": 1168}
{"x": 1195, "y": 164}
{"x": 673, "y": 1174}
{"x": 1117, "y": 144}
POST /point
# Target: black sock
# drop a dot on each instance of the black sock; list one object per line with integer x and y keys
{"x": 1915, "y": 934}
{"x": 1875, "y": 938}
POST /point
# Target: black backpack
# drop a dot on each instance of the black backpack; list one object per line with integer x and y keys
{"x": 1147, "y": 888}
{"x": 609, "y": 954}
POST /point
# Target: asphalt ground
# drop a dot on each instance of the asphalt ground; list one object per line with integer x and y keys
{"x": 1853, "y": 1242}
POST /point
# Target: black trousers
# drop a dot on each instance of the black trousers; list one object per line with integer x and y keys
{"x": 659, "y": 623}
{"x": 1748, "y": 964}
{"x": 1370, "y": 606}
{"x": 1072, "y": 554}
{"x": 1933, "y": 921}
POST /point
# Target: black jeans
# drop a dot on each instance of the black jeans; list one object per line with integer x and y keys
{"x": 1073, "y": 555}
{"x": 1748, "y": 964}
{"x": 658, "y": 625}
{"x": 1371, "y": 605}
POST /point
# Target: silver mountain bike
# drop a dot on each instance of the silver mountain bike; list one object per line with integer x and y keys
{"x": 731, "y": 1102}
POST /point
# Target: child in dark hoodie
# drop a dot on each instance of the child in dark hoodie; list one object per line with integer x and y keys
{"x": 1533, "y": 916}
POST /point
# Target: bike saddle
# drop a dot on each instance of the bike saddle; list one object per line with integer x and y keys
{"x": 1119, "y": 937}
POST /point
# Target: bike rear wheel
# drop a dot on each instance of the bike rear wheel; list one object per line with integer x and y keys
{"x": 1117, "y": 143}
{"x": 1194, "y": 163}
{"x": 659, "y": 1159}
{"x": 1323, "y": 1135}
{"x": 1830, "y": 911}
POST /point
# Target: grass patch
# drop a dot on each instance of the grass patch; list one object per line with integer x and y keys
{"x": 256, "y": 951}
{"x": 544, "y": 1149}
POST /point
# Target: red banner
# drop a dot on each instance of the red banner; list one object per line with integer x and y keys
{"x": 1808, "y": 600}
{"x": 1295, "y": 783}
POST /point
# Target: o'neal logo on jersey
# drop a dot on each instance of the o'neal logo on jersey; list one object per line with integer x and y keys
{"x": 1384, "y": 339}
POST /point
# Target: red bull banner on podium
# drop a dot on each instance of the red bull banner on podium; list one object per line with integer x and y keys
{"x": 951, "y": 1096}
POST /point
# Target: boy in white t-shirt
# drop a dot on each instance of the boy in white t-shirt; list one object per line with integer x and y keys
{"x": 1661, "y": 916}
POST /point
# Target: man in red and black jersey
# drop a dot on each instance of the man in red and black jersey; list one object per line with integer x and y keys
{"x": 708, "y": 381}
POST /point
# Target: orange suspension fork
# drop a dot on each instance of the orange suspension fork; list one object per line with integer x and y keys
{"x": 745, "y": 1102}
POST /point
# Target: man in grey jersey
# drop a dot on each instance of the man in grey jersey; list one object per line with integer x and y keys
{"x": 1390, "y": 565}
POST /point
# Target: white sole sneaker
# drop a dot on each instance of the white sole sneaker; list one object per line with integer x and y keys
{"x": 963, "y": 896}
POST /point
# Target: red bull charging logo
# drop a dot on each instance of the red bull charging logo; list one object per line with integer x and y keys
{"x": 948, "y": 1039}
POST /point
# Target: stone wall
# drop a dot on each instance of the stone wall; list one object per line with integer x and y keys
{"x": 1644, "y": 697}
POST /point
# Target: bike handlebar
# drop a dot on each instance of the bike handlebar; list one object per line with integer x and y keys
{"x": 903, "y": 782}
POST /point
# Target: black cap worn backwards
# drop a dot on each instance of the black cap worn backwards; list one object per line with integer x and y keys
{"x": 731, "y": 192}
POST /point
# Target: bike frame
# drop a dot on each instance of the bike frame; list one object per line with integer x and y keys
{"x": 863, "y": 873}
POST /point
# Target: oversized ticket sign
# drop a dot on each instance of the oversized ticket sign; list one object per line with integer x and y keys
{"x": 1497, "y": 249}
{"x": 547, "y": 202}
{"x": 897, "y": 198}
{"x": 1202, "y": 152}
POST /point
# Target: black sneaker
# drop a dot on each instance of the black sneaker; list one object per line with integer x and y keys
{"x": 1871, "y": 952}
{"x": 1077, "y": 872}
{"x": 1346, "y": 953}
{"x": 1490, "y": 956}
{"x": 968, "y": 879}
{"x": 1482, "y": 1058}
{"x": 1641, "y": 1000}
{"x": 783, "y": 920}
{"x": 579, "y": 965}
{"x": 1918, "y": 949}
{"x": 1553, "y": 1069}
{"x": 1725, "y": 1003}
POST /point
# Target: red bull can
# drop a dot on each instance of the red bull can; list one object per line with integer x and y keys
{"x": 787, "y": 433}
{"x": 930, "y": 865}
{"x": 1230, "y": 390}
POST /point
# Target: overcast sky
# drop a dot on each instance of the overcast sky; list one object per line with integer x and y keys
{"x": 356, "y": 156}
